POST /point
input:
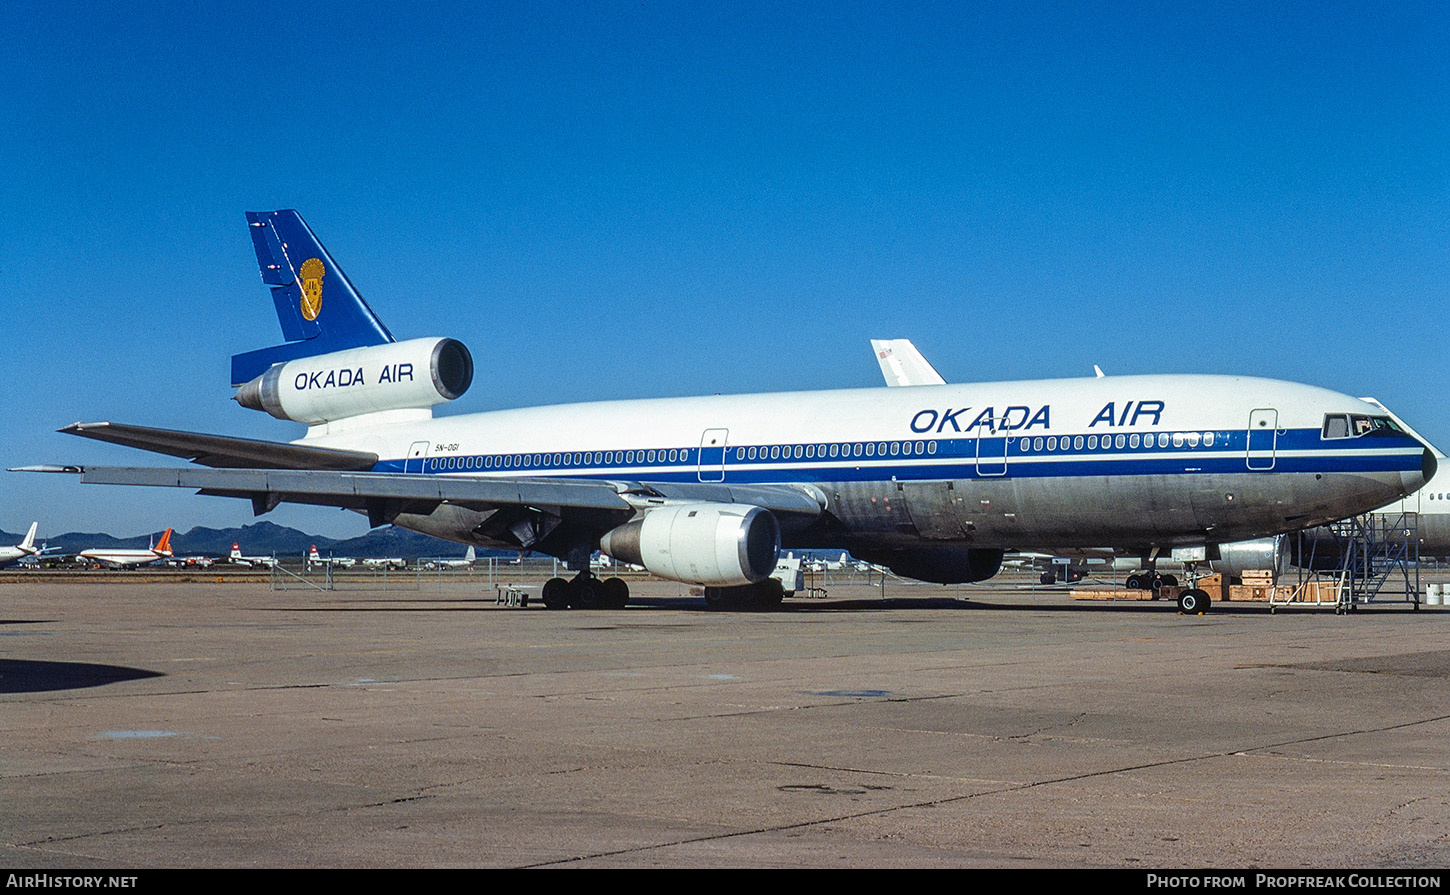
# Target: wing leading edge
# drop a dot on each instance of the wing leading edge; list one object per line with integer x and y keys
{"x": 384, "y": 495}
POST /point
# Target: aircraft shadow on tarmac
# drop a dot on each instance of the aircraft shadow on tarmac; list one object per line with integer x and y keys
{"x": 29, "y": 676}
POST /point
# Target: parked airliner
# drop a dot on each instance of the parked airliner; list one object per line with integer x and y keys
{"x": 470, "y": 556}
{"x": 236, "y": 558}
{"x": 316, "y": 559}
{"x": 933, "y": 482}
{"x": 25, "y": 548}
{"x": 123, "y": 558}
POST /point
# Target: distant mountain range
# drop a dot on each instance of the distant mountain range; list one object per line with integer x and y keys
{"x": 265, "y": 539}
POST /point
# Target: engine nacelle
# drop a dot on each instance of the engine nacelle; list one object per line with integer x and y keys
{"x": 416, "y": 374}
{"x": 1261, "y": 555}
{"x": 714, "y": 544}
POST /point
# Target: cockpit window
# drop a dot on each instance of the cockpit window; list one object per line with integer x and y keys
{"x": 1354, "y": 425}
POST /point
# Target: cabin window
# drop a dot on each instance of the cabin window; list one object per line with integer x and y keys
{"x": 1208, "y": 439}
{"x": 1120, "y": 441}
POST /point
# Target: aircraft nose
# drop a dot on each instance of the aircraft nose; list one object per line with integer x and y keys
{"x": 1428, "y": 465}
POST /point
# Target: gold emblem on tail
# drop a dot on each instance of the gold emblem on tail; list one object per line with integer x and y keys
{"x": 312, "y": 274}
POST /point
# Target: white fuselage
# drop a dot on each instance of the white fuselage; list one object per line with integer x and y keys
{"x": 119, "y": 557}
{"x": 1133, "y": 461}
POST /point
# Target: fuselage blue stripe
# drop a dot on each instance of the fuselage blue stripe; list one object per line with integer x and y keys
{"x": 1295, "y": 451}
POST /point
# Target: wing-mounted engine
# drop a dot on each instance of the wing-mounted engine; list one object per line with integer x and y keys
{"x": 1260, "y": 555}
{"x": 413, "y": 375}
{"x": 714, "y": 544}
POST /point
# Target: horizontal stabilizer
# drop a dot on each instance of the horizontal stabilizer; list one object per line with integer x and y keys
{"x": 225, "y": 451}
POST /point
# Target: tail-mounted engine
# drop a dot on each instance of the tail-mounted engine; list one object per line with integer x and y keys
{"x": 416, "y": 374}
{"x": 714, "y": 544}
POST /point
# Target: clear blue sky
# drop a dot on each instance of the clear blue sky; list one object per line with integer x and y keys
{"x": 611, "y": 200}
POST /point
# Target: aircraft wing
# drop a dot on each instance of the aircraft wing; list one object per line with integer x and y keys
{"x": 224, "y": 451}
{"x": 382, "y": 495}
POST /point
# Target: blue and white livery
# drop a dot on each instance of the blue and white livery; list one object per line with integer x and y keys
{"x": 934, "y": 482}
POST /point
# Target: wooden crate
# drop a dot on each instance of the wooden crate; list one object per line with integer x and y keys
{"x": 1248, "y": 593}
{"x": 1121, "y": 593}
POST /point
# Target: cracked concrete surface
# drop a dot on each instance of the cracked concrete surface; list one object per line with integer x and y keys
{"x": 166, "y": 725}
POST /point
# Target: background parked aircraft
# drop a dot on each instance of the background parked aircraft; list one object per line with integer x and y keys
{"x": 236, "y": 558}
{"x": 122, "y": 558}
{"x": 316, "y": 559}
{"x": 25, "y": 548}
{"x": 470, "y": 556}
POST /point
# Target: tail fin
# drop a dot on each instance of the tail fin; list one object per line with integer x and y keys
{"x": 318, "y": 307}
{"x": 28, "y": 544}
{"x": 902, "y": 364}
{"x": 469, "y": 555}
{"x": 236, "y": 551}
{"x": 163, "y": 546}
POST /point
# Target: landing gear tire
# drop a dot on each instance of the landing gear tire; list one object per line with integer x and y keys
{"x": 1193, "y": 602}
{"x": 616, "y": 593}
{"x": 763, "y": 595}
{"x": 1048, "y": 578}
{"x": 769, "y": 594}
{"x": 1134, "y": 582}
{"x": 587, "y": 592}
{"x": 556, "y": 593}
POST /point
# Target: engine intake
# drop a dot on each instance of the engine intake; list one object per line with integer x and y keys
{"x": 714, "y": 544}
{"x": 416, "y": 374}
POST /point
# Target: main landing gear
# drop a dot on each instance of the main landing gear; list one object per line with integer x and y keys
{"x": 762, "y": 595}
{"x": 584, "y": 591}
{"x": 1150, "y": 581}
